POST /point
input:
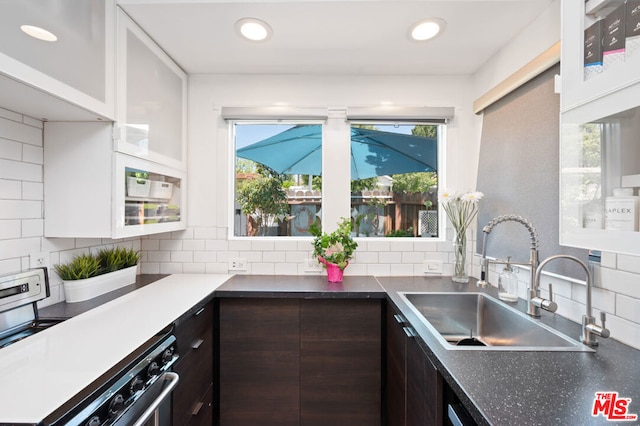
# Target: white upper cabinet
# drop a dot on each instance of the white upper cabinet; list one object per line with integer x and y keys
{"x": 93, "y": 192}
{"x": 70, "y": 78}
{"x": 617, "y": 74}
{"x": 600, "y": 128}
{"x": 152, "y": 99}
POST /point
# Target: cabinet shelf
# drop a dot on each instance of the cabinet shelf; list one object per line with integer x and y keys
{"x": 597, "y": 8}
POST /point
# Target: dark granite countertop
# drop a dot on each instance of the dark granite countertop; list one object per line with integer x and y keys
{"x": 525, "y": 388}
{"x": 277, "y": 286}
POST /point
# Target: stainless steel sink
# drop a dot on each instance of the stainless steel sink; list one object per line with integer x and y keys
{"x": 476, "y": 321}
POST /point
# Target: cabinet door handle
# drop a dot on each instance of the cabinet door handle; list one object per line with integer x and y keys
{"x": 197, "y": 409}
{"x": 201, "y": 310}
{"x": 399, "y": 319}
{"x": 410, "y": 332}
{"x": 197, "y": 344}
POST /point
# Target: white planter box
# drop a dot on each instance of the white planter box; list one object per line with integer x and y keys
{"x": 79, "y": 290}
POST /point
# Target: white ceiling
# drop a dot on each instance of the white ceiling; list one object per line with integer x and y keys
{"x": 362, "y": 37}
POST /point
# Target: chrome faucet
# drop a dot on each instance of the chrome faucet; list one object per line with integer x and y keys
{"x": 589, "y": 327}
{"x": 534, "y": 301}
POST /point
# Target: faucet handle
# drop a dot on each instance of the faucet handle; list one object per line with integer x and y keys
{"x": 603, "y": 318}
{"x": 549, "y": 304}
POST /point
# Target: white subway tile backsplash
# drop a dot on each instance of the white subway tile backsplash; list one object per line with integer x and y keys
{"x": 159, "y": 256}
{"x": 263, "y": 268}
{"x": 627, "y": 308}
{"x": 9, "y": 266}
{"x": 19, "y": 209}
{"x": 621, "y": 282}
{"x": 32, "y": 191}
{"x": 150, "y": 245}
{"x": 412, "y": 257}
{"x": 171, "y": 268}
{"x": 216, "y": 268}
{"x": 295, "y": 256}
{"x": 366, "y": 256}
{"x": 10, "y": 115}
{"x": 184, "y": 234}
{"x": 383, "y": 270}
{"x": 181, "y": 256}
{"x": 10, "y": 229}
{"x": 32, "y": 154}
{"x": 10, "y": 169}
{"x": 193, "y": 245}
{"x": 205, "y": 256}
{"x": 239, "y": 245}
{"x": 624, "y": 331}
{"x": 10, "y": 150}
{"x": 628, "y": 263}
{"x": 19, "y": 247}
{"x": 262, "y": 245}
{"x": 150, "y": 268}
{"x": 10, "y": 189}
{"x": 171, "y": 245}
{"x": 32, "y": 228}
{"x": 390, "y": 257}
{"x": 19, "y": 132}
{"x": 274, "y": 256}
{"x": 287, "y": 245}
{"x": 402, "y": 245}
{"x": 379, "y": 245}
{"x": 216, "y": 245}
{"x": 194, "y": 268}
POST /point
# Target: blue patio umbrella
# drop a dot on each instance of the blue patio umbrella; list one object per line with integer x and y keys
{"x": 298, "y": 150}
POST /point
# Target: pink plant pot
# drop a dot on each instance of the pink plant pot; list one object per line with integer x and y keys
{"x": 334, "y": 273}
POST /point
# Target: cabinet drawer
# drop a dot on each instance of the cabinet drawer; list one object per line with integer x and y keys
{"x": 193, "y": 331}
{"x": 196, "y": 375}
{"x": 202, "y": 413}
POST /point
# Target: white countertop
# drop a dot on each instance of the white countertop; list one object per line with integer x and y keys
{"x": 42, "y": 372}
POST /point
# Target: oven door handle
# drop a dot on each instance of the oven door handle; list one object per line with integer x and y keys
{"x": 173, "y": 381}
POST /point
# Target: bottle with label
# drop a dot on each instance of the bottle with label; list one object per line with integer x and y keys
{"x": 508, "y": 284}
{"x": 621, "y": 210}
{"x": 592, "y": 215}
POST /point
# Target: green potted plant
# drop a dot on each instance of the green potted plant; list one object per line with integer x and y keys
{"x": 89, "y": 275}
{"x": 334, "y": 250}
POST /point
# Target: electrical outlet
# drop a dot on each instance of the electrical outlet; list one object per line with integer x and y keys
{"x": 238, "y": 264}
{"x": 312, "y": 265}
{"x": 433, "y": 267}
{"x": 38, "y": 260}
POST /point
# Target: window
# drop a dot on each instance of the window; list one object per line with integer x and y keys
{"x": 277, "y": 185}
{"x": 394, "y": 179}
{"x": 280, "y": 190}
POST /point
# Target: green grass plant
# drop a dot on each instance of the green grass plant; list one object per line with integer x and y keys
{"x": 91, "y": 265}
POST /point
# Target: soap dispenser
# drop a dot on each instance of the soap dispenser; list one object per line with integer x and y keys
{"x": 508, "y": 284}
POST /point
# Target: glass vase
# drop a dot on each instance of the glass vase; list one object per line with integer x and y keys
{"x": 460, "y": 274}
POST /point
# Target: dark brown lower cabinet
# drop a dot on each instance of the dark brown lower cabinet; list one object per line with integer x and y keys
{"x": 300, "y": 362}
{"x": 192, "y": 399}
{"x": 414, "y": 385}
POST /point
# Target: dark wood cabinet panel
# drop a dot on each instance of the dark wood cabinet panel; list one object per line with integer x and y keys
{"x": 259, "y": 362}
{"x": 414, "y": 385}
{"x": 340, "y": 362}
{"x": 396, "y": 351}
{"x": 195, "y": 366}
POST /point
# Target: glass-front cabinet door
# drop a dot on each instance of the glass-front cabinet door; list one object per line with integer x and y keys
{"x": 152, "y": 96}
{"x": 151, "y": 198}
{"x": 600, "y": 174}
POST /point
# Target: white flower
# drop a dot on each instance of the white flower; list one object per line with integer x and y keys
{"x": 447, "y": 196}
{"x": 474, "y": 197}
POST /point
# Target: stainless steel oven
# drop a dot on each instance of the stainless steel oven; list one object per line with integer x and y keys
{"x": 137, "y": 391}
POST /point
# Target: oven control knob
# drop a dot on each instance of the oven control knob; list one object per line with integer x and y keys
{"x": 94, "y": 421}
{"x": 137, "y": 384}
{"x": 167, "y": 355}
{"x": 116, "y": 405}
{"x": 153, "y": 370}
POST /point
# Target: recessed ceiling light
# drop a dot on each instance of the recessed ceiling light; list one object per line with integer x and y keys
{"x": 427, "y": 29}
{"x": 253, "y": 29}
{"x": 39, "y": 33}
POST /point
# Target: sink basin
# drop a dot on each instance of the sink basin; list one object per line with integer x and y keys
{"x": 476, "y": 321}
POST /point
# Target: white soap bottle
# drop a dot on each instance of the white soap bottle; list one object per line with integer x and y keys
{"x": 508, "y": 284}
